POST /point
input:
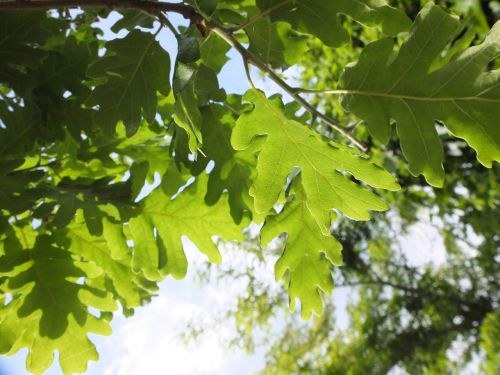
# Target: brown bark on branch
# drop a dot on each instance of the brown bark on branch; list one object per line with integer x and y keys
{"x": 147, "y": 6}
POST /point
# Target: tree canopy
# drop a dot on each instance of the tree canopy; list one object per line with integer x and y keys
{"x": 394, "y": 106}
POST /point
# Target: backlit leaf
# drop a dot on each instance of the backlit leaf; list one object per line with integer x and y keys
{"x": 157, "y": 232}
{"x": 309, "y": 255}
{"x": 324, "y": 165}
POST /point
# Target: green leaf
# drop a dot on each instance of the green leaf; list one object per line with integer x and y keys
{"x": 188, "y": 54}
{"x": 59, "y": 90}
{"x": 45, "y": 111}
{"x": 93, "y": 218}
{"x": 183, "y": 76}
{"x": 50, "y": 309}
{"x": 186, "y": 112}
{"x": 213, "y": 52}
{"x": 275, "y": 43}
{"x": 205, "y": 7}
{"x": 320, "y": 17}
{"x": 68, "y": 204}
{"x": 147, "y": 147}
{"x": 135, "y": 68}
{"x": 324, "y": 165}
{"x": 16, "y": 48}
{"x": 161, "y": 254}
{"x": 112, "y": 254}
{"x": 233, "y": 170}
{"x": 207, "y": 87}
{"x": 309, "y": 255}
{"x": 188, "y": 117}
{"x": 188, "y": 49}
{"x": 461, "y": 93}
{"x": 16, "y": 195}
{"x": 138, "y": 174}
{"x": 132, "y": 18}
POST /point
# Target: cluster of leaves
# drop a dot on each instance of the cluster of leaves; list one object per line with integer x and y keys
{"x": 86, "y": 123}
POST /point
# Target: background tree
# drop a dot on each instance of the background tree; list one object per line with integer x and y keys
{"x": 85, "y": 122}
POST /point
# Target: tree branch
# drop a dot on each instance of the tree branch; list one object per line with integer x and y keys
{"x": 151, "y": 7}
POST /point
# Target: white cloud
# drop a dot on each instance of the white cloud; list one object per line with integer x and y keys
{"x": 424, "y": 245}
{"x": 148, "y": 343}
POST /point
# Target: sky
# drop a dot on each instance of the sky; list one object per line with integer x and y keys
{"x": 149, "y": 342}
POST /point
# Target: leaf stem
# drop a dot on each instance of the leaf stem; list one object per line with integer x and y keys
{"x": 166, "y": 22}
{"x": 326, "y": 91}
